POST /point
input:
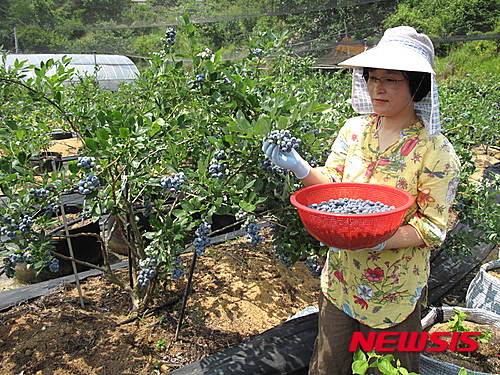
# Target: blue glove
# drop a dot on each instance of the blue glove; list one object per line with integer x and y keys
{"x": 287, "y": 160}
{"x": 378, "y": 247}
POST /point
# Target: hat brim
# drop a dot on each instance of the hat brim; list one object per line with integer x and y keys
{"x": 390, "y": 58}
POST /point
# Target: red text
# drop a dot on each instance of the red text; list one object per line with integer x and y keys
{"x": 414, "y": 341}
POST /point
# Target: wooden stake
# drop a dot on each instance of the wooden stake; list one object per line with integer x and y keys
{"x": 186, "y": 294}
{"x": 70, "y": 246}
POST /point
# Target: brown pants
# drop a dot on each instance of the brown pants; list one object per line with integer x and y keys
{"x": 331, "y": 354}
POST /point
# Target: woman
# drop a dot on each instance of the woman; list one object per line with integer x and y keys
{"x": 397, "y": 143}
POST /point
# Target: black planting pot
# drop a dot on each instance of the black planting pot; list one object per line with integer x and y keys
{"x": 117, "y": 240}
{"x": 221, "y": 221}
{"x": 46, "y": 161}
{"x": 85, "y": 248}
{"x": 60, "y": 135}
{"x": 488, "y": 175}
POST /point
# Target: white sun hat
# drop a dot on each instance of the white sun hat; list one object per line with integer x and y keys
{"x": 401, "y": 48}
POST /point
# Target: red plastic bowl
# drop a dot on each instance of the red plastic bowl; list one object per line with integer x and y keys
{"x": 351, "y": 231}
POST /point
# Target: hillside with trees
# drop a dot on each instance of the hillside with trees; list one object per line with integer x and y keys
{"x": 135, "y": 28}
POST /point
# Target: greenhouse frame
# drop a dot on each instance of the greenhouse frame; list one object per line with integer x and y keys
{"x": 112, "y": 70}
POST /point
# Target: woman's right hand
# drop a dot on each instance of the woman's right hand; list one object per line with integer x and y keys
{"x": 287, "y": 160}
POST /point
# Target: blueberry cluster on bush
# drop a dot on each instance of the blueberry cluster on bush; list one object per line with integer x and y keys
{"x": 217, "y": 170}
{"x": 206, "y": 54}
{"x": 9, "y": 227}
{"x": 241, "y": 214}
{"x": 314, "y": 131}
{"x": 40, "y": 193}
{"x": 173, "y": 183}
{"x": 25, "y": 223}
{"x": 201, "y": 241}
{"x": 54, "y": 265}
{"x": 351, "y": 206}
{"x": 86, "y": 162}
{"x": 220, "y": 155}
{"x": 170, "y": 34}
{"x": 148, "y": 270}
{"x": 89, "y": 184}
{"x": 51, "y": 207}
{"x": 252, "y": 230}
{"x": 268, "y": 166}
{"x": 283, "y": 138}
{"x": 10, "y": 262}
{"x": 312, "y": 263}
{"x": 200, "y": 78}
{"x": 314, "y": 162}
{"x": 283, "y": 257}
{"x": 177, "y": 270}
{"x": 257, "y": 51}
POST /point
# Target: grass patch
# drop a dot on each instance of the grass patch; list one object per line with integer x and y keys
{"x": 476, "y": 58}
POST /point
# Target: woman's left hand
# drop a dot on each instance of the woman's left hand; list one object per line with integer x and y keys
{"x": 378, "y": 247}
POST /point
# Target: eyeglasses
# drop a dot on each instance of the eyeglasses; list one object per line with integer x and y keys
{"x": 385, "y": 82}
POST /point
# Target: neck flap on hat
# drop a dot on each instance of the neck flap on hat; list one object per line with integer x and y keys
{"x": 426, "y": 109}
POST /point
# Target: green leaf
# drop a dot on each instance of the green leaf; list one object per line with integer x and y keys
{"x": 11, "y": 124}
{"x": 462, "y": 371}
{"x": 359, "y": 355}
{"x": 248, "y": 207}
{"x": 124, "y": 132}
{"x": 58, "y": 96}
{"x": 384, "y": 365}
{"x": 102, "y": 134}
{"x": 12, "y": 247}
{"x": 73, "y": 167}
{"x": 359, "y": 367}
{"x": 190, "y": 28}
{"x": 20, "y": 133}
{"x": 179, "y": 213}
{"x": 187, "y": 206}
{"x": 282, "y": 122}
{"x": 262, "y": 126}
{"x": 248, "y": 185}
{"x": 318, "y": 107}
{"x": 21, "y": 156}
{"x": 101, "y": 116}
{"x": 92, "y": 144}
{"x": 242, "y": 121}
{"x": 195, "y": 202}
{"x": 218, "y": 55}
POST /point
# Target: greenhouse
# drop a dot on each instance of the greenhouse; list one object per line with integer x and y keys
{"x": 112, "y": 69}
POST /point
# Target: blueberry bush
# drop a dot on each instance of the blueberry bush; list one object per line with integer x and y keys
{"x": 164, "y": 155}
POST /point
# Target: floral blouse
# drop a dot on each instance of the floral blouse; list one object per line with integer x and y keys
{"x": 380, "y": 289}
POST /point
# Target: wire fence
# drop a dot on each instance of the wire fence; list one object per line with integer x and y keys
{"x": 324, "y": 43}
{"x": 206, "y": 20}
{"x": 317, "y": 45}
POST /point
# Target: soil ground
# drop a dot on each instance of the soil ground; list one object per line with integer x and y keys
{"x": 239, "y": 291}
{"x": 485, "y": 359}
